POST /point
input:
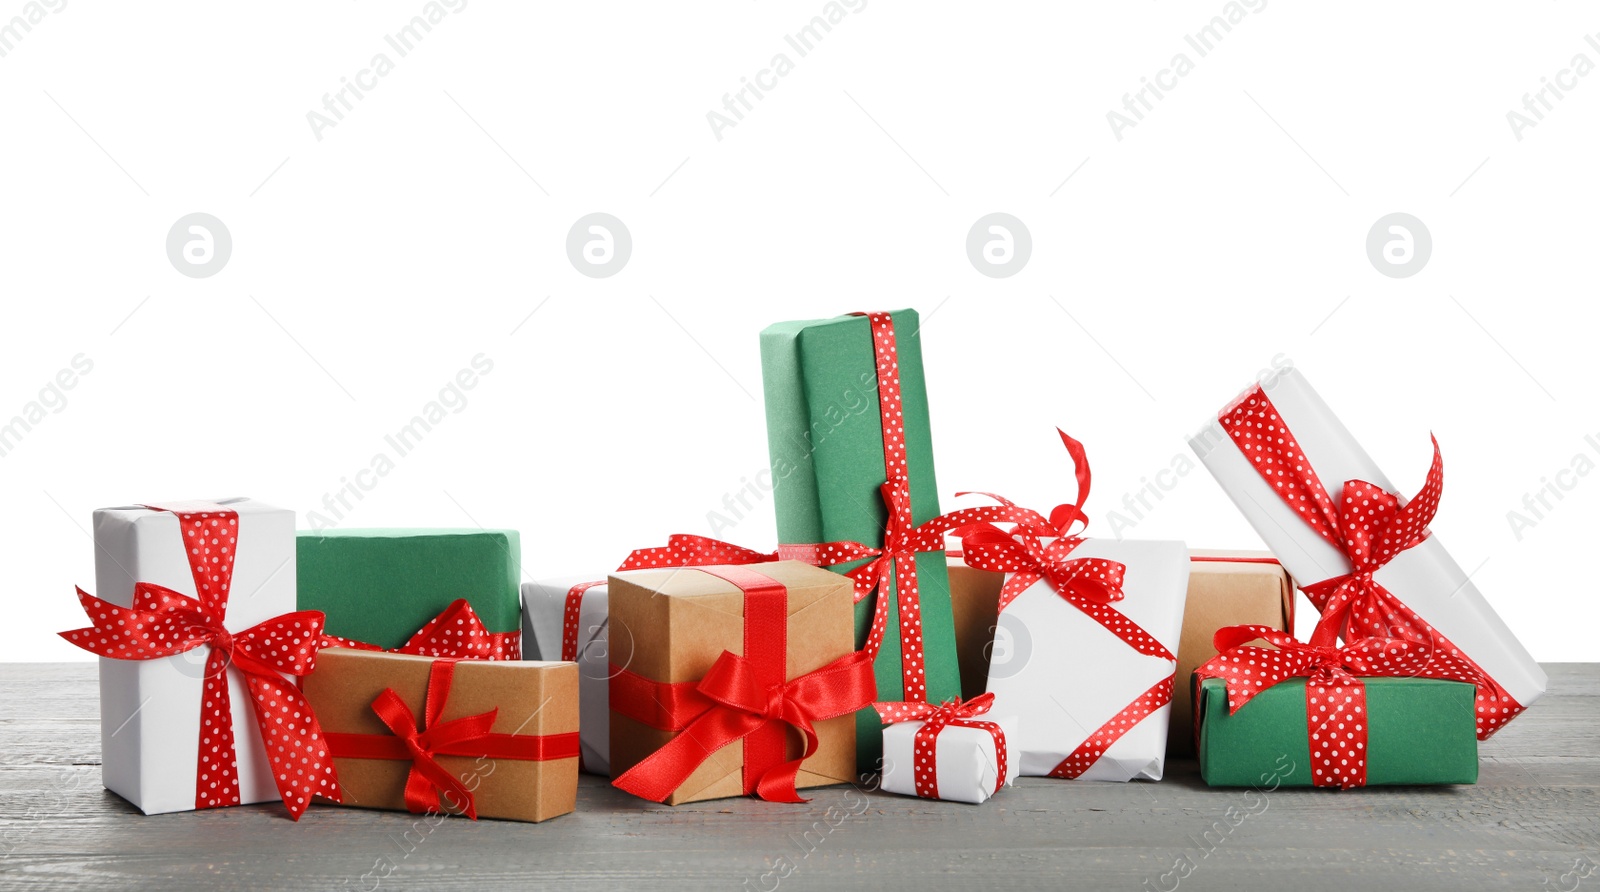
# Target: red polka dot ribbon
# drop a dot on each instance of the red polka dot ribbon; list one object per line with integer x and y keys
{"x": 163, "y": 622}
{"x": 1092, "y": 585}
{"x": 1369, "y": 526}
{"x": 1336, "y": 704}
{"x": 742, "y": 697}
{"x": 428, "y": 783}
{"x": 456, "y": 633}
{"x": 925, "y": 743}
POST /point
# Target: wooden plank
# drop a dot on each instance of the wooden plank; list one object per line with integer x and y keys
{"x": 1534, "y": 813}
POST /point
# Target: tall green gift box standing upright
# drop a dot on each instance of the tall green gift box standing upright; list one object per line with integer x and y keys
{"x": 382, "y": 586}
{"x": 833, "y": 447}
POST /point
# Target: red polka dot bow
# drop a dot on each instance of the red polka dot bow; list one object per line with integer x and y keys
{"x": 924, "y": 754}
{"x": 162, "y": 623}
{"x": 1370, "y": 526}
{"x": 1336, "y": 719}
{"x": 456, "y": 633}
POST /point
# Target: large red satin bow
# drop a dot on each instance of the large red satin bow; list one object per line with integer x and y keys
{"x": 924, "y": 745}
{"x": 456, "y": 633}
{"x": 731, "y": 703}
{"x": 162, "y": 623}
{"x": 469, "y": 735}
{"x": 1336, "y": 720}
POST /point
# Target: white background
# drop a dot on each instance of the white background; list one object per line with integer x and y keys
{"x": 371, "y": 265}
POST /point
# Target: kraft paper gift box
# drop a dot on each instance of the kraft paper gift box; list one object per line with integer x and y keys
{"x": 150, "y": 710}
{"x": 1074, "y": 684}
{"x": 519, "y": 761}
{"x": 381, "y": 586}
{"x": 1284, "y": 424}
{"x": 544, "y": 626}
{"x": 1421, "y": 732}
{"x": 975, "y": 604}
{"x": 970, "y": 764}
{"x": 1226, "y": 588}
{"x": 690, "y": 624}
{"x": 825, "y": 435}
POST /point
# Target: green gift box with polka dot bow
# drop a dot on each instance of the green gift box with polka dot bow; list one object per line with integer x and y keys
{"x": 1419, "y": 731}
{"x": 826, "y": 435}
{"x": 381, "y": 586}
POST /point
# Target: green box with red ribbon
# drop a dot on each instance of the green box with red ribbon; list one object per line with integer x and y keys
{"x": 852, "y": 460}
{"x": 1417, "y": 731}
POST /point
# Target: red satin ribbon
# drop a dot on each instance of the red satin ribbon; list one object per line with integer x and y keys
{"x": 924, "y": 746}
{"x": 456, "y": 633}
{"x": 1336, "y": 713}
{"x": 470, "y": 736}
{"x": 742, "y": 698}
{"x": 1369, "y": 526}
{"x": 163, "y": 622}
{"x": 1090, "y": 584}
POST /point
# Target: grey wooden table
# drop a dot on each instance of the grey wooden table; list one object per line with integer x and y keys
{"x": 1532, "y": 822}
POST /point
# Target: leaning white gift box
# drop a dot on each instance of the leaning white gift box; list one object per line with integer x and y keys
{"x": 1069, "y": 677}
{"x": 1424, "y": 577}
{"x": 544, "y": 619}
{"x": 150, "y": 709}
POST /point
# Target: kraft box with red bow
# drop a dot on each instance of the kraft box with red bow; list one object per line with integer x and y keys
{"x": 955, "y": 751}
{"x": 381, "y": 586}
{"x": 742, "y": 680}
{"x": 195, "y": 619}
{"x": 481, "y": 738}
{"x": 568, "y": 619}
{"x": 1363, "y": 556}
{"x": 1376, "y": 711}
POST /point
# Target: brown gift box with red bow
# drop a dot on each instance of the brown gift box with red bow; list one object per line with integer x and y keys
{"x": 681, "y": 620}
{"x": 530, "y": 699}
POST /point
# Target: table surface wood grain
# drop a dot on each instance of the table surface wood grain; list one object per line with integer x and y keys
{"x": 1532, "y": 822}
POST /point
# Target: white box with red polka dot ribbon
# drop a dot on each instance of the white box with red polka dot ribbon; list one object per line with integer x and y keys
{"x": 967, "y": 767}
{"x": 150, "y": 710}
{"x": 1071, "y": 681}
{"x": 1424, "y": 577}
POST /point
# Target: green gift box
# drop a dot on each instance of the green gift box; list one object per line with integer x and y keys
{"x": 1419, "y": 731}
{"x": 825, "y": 437}
{"x": 381, "y": 586}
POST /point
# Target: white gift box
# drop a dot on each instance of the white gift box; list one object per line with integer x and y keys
{"x": 150, "y": 709}
{"x": 968, "y": 767}
{"x": 1065, "y": 675}
{"x": 544, "y": 606}
{"x": 1424, "y": 576}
